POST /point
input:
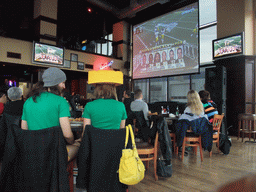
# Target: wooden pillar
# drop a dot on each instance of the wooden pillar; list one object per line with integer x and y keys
{"x": 45, "y": 16}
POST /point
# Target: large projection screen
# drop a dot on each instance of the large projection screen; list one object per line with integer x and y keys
{"x": 167, "y": 45}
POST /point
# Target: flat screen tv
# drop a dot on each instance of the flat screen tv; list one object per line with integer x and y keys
{"x": 47, "y": 54}
{"x": 167, "y": 45}
{"x": 232, "y": 45}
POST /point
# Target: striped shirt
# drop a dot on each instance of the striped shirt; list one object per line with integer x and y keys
{"x": 209, "y": 110}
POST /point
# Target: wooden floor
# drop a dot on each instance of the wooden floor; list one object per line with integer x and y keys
{"x": 191, "y": 175}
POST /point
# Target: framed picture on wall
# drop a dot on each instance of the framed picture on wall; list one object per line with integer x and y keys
{"x": 73, "y": 57}
{"x": 67, "y": 64}
{"x": 80, "y": 65}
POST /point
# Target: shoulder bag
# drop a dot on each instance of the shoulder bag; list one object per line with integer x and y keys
{"x": 131, "y": 169}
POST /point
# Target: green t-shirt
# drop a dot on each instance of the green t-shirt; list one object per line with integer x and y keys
{"x": 45, "y": 113}
{"x": 105, "y": 113}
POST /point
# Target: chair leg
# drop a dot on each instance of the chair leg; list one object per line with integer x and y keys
{"x": 183, "y": 150}
{"x": 218, "y": 145}
{"x": 195, "y": 150}
{"x": 201, "y": 150}
{"x": 70, "y": 175}
{"x": 147, "y": 163}
{"x": 155, "y": 167}
{"x": 239, "y": 126}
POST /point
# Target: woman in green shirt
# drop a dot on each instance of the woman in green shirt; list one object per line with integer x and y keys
{"x": 105, "y": 112}
{"x": 45, "y": 107}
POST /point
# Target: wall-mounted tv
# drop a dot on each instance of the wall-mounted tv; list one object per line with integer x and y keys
{"x": 47, "y": 54}
{"x": 232, "y": 45}
{"x": 167, "y": 45}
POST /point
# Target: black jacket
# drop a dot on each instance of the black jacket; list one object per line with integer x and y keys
{"x": 5, "y": 123}
{"x": 34, "y": 161}
{"x": 99, "y": 158}
{"x": 164, "y": 139}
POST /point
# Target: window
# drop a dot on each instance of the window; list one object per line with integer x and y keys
{"x": 105, "y": 48}
{"x": 207, "y": 12}
{"x": 143, "y": 85}
{"x": 206, "y": 37}
{"x": 158, "y": 89}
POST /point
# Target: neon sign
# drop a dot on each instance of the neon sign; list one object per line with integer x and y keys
{"x": 104, "y": 66}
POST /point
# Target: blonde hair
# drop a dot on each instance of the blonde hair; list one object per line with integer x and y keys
{"x": 194, "y": 103}
{"x": 105, "y": 91}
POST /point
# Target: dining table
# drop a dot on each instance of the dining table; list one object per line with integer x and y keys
{"x": 77, "y": 128}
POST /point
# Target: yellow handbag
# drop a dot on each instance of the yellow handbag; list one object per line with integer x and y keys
{"x": 131, "y": 169}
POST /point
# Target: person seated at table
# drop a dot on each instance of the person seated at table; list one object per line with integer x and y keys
{"x": 139, "y": 105}
{"x": 103, "y": 117}
{"x": 210, "y": 108}
{"x": 140, "y": 109}
{"x": 194, "y": 105}
{"x": 15, "y": 105}
{"x": 194, "y": 117}
{"x": 45, "y": 107}
{"x": 127, "y": 100}
{"x": 106, "y": 112}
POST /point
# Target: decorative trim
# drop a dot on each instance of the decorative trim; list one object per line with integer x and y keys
{"x": 14, "y": 55}
{"x": 47, "y": 19}
{"x": 48, "y": 37}
{"x": 120, "y": 42}
{"x": 88, "y": 66}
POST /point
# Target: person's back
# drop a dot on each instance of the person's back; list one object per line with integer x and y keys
{"x": 45, "y": 108}
{"x": 105, "y": 113}
{"x": 139, "y": 105}
{"x": 127, "y": 102}
{"x": 210, "y": 108}
{"x": 46, "y": 111}
{"x": 15, "y": 106}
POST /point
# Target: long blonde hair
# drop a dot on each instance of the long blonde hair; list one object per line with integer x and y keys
{"x": 194, "y": 102}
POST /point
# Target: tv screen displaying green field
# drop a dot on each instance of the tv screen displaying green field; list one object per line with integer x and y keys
{"x": 47, "y": 54}
{"x": 228, "y": 46}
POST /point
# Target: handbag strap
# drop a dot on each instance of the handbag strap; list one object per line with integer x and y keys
{"x": 129, "y": 129}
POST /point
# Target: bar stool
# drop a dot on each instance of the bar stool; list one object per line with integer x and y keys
{"x": 246, "y": 124}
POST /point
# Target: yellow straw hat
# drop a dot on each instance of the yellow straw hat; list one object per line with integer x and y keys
{"x": 105, "y": 76}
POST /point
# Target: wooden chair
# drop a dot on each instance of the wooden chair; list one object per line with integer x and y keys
{"x": 217, "y": 120}
{"x": 149, "y": 153}
{"x": 175, "y": 148}
{"x": 246, "y": 124}
{"x": 72, "y": 153}
{"x": 192, "y": 141}
{"x": 70, "y": 170}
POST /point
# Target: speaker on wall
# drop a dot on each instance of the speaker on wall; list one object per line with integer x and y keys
{"x": 216, "y": 84}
